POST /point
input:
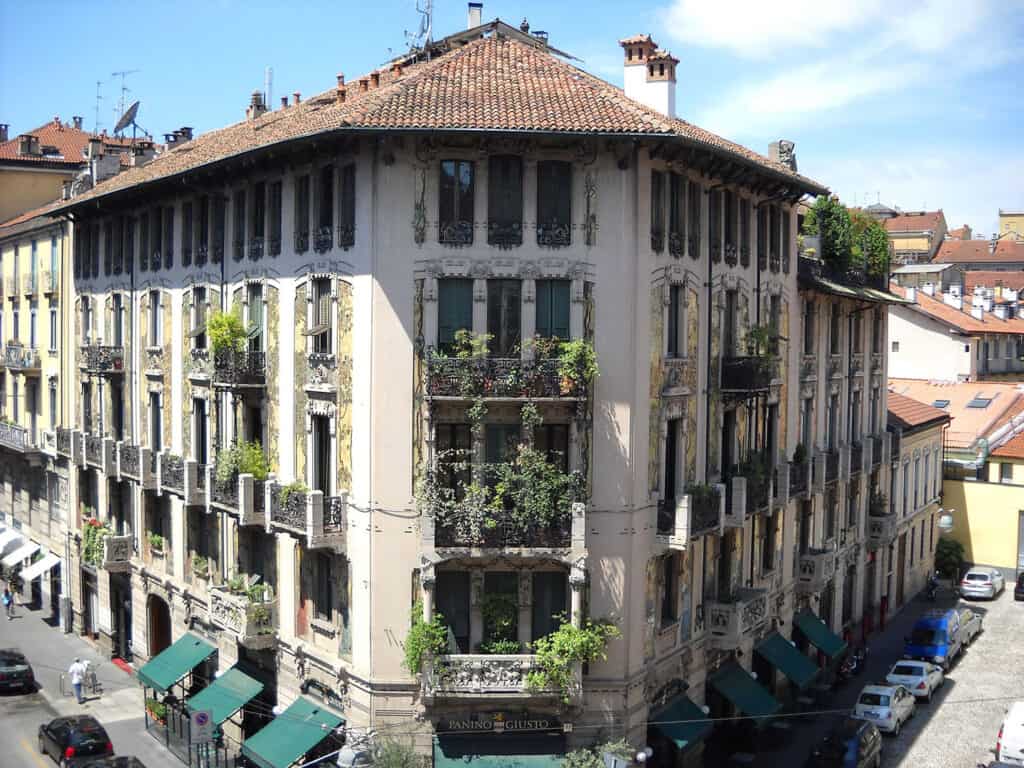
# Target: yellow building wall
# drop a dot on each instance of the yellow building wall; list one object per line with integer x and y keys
{"x": 994, "y": 471}
{"x": 910, "y": 243}
{"x": 985, "y": 520}
{"x": 1011, "y": 223}
{"x": 22, "y": 191}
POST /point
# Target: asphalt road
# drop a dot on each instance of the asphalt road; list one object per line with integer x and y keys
{"x": 20, "y": 716}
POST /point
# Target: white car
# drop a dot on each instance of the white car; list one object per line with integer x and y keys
{"x": 982, "y": 582}
{"x": 921, "y": 678}
{"x": 1010, "y": 741}
{"x": 887, "y": 706}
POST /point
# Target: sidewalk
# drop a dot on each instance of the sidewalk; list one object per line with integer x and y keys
{"x": 119, "y": 708}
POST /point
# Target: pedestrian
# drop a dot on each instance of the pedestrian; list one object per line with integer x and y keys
{"x": 8, "y": 603}
{"x": 77, "y": 672}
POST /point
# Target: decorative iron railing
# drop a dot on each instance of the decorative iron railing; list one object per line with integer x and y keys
{"x": 130, "y": 460}
{"x": 502, "y": 530}
{"x": 676, "y": 245}
{"x": 239, "y": 368}
{"x": 63, "y": 442}
{"x": 747, "y": 375}
{"x": 455, "y": 232}
{"x": 323, "y": 240}
{"x": 554, "y": 234}
{"x": 98, "y": 358}
{"x": 798, "y": 477}
{"x": 301, "y": 241}
{"x": 334, "y": 515}
{"x": 256, "y": 248}
{"x": 346, "y": 235}
{"x": 497, "y": 377}
{"x": 288, "y": 508}
{"x": 21, "y": 358}
{"x": 505, "y": 234}
{"x": 201, "y": 478}
{"x": 94, "y": 450}
{"x": 172, "y": 472}
{"x": 225, "y": 493}
{"x": 14, "y": 437}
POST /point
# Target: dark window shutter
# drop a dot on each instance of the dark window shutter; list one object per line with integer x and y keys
{"x": 505, "y": 200}
{"x": 454, "y": 309}
{"x": 554, "y": 203}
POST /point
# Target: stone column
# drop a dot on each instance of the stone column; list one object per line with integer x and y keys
{"x": 479, "y": 305}
{"x": 476, "y": 615}
{"x": 427, "y": 582}
{"x": 178, "y": 542}
{"x": 577, "y": 581}
{"x": 288, "y": 588}
{"x": 525, "y": 607}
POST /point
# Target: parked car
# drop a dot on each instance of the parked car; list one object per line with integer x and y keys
{"x": 74, "y": 741}
{"x": 936, "y": 638}
{"x": 982, "y": 582}
{"x": 1018, "y": 588}
{"x": 114, "y": 762}
{"x": 970, "y": 625}
{"x": 15, "y": 672}
{"x": 921, "y": 678}
{"x": 887, "y": 706}
{"x": 1010, "y": 741}
{"x": 852, "y": 744}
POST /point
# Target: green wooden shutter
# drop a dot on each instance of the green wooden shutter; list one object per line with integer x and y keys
{"x": 454, "y": 309}
{"x": 560, "y": 309}
{"x": 543, "y": 301}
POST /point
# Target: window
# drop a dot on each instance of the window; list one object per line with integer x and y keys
{"x": 168, "y": 237}
{"x": 117, "y": 319}
{"x": 729, "y": 216}
{"x": 1005, "y": 472}
{"x": 895, "y": 346}
{"x": 257, "y": 220}
{"x": 144, "y": 241}
{"x": 53, "y": 258}
{"x": 693, "y": 198}
{"x": 855, "y": 322}
{"x": 676, "y": 215}
{"x": 155, "y": 423}
{"x": 927, "y": 475}
{"x": 834, "y": 330}
{"x": 917, "y": 481}
{"x": 452, "y": 591}
{"x": 913, "y": 541}
{"x": 320, "y": 468}
{"x": 552, "y": 440}
{"x": 774, "y": 322}
{"x": 729, "y": 325}
{"x": 745, "y": 232}
{"x": 129, "y": 244}
{"x": 875, "y": 408}
{"x": 657, "y": 211}
{"x": 807, "y": 423}
{"x": 154, "y": 319}
{"x": 669, "y": 590}
{"x": 321, "y": 320}
{"x": 186, "y": 233}
{"x": 203, "y": 238}
{"x": 554, "y": 203}
{"x": 500, "y": 442}
{"x": 53, "y": 329}
{"x": 238, "y": 224}
{"x": 455, "y": 203}
{"x": 833, "y": 422}
{"x": 324, "y": 594}
{"x": 302, "y": 214}
{"x": 274, "y": 236}
{"x": 198, "y": 330}
{"x": 54, "y": 416}
{"x": 324, "y": 236}
{"x": 762, "y": 237}
{"x": 853, "y": 504}
{"x": 86, "y": 320}
{"x": 715, "y": 225}
{"x": 768, "y": 526}
{"x": 347, "y": 207}
{"x": 938, "y": 471}
{"x": 906, "y": 488}
{"x": 855, "y": 416}
{"x": 876, "y": 332}
{"x": 676, "y": 305}
{"x": 831, "y": 510}
{"x": 155, "y": 238}
{"x": 504, "y": 301}
{"x": 117, "y": 409}
{"x": 809, "y": 328}
{"x": 549, "y": 602}
{"x": 774, "y": 253}
{"x": 94, "y": 248}
{"x": 920, "y": 541}
{"x": 254, "y": 294}
{"x": 552, "y": 302}
{"x": 108, "y": 249}
{"x": 453, "y": 444}
{"x": 505, "y": 201}
{"x": 454, "y": 311}
{"x": 32, "y": 326}
{"x": 787, "y": 246}
{"x": 219, "y": 229}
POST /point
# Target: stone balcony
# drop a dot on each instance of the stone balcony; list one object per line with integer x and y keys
{"x": 485, "y": 676}
{"x": 497, "y": 377}
{"x": 117, "y": 554}
{"x": 136, "y": 463}
{"x": 15, "y": 438}
{"x": 747, "y": 376}
{"x": 732, "y": 620}
{"x": 881, "y": 529}
{"x": 815, "y": 569}
{"x": 30, "y": 284}
{"x": 99, "y": 454}
{"x": 243, "y": 496}
{"x": 102, "y": 360}
{"x": 20, "y": 358}
{"x": 51, "y": 283}
{"x": 690, "y": 517}
{"x": 64, "y": 438}
{"x": 253, "y": 623}
{"x": 322, "y": 521}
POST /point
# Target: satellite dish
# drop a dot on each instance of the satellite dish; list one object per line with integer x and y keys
{"x": 128, "y": 118}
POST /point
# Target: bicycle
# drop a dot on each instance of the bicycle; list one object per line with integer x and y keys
{"x": 90, "y": 682}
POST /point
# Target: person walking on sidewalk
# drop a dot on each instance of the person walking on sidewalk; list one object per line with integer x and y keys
{"x": 8, "y": 603}
{"x": 76, "y": 672}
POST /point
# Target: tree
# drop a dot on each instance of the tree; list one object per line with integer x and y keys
{"x": 831, "y": 220}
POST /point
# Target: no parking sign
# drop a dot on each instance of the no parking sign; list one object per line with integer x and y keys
{"x": 202, "y": 726}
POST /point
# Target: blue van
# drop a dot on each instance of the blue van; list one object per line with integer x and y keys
{"x": 935, "y": 638}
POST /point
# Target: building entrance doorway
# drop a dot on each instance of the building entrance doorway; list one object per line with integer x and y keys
{"x": 159, "y": 625}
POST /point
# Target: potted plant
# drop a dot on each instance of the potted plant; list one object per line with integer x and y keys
{"x": 577, "y": 364}
{"x": 559, "y": 653}
{"x": 424, "y": 639}
{"x": 156, "y": 543}
{"x": 93, "y": 534}
{"x": 200, "y": 566}
{"x": 157, "y": 710}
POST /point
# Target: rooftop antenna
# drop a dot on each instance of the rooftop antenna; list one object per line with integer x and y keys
{"x": 122, "y": 102}
{"x": 128, "y": 118}
{"x": 99, "y": 98}
{"x": 421, "y": 38}
{"x": 268, "y": 87}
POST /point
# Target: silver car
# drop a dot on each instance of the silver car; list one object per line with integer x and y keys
{"x": 982, "y": 582}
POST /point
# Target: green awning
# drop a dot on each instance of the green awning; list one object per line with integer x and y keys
{"x": 226, "y": 695}
{"x": 291, "y": 734}
{"x": 683, "y": 722}
{"x": 491, "y": 750}
{"x": 784, "y": 657}
{"x": 174, "y": 662}
{"x": 821, "y": 636}
{"x": 736, "y": 684}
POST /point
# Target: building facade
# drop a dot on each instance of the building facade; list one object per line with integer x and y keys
{"x": 915, "y": 236}
{"x": 509, "y": 378}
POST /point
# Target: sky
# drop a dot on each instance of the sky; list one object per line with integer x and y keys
{"x": 916, "y": 103}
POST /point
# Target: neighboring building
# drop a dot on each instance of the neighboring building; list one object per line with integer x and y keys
{"x": 1004, "y": 285}
{"x": 960, "y": 233}
{"x": 907, "y": 517}
{"x": 915, "y": 236}
{"x": 881, "y": 212}
{"x": 949, "y": 337}
{"x": 1005, "y": 255}
{"x": 984, "y": 468}
{"x": 35, "y": 164}
{"x": 942, "y": 277}
{"x": 33, "y": 391}
{"x": 357, "y": 232}
{"x": 1011, "y": 224}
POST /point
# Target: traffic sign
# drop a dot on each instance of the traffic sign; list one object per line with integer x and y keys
{"x": 202, "y": 726}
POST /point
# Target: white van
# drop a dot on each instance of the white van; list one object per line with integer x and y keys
{"x": 1010, "y": 742}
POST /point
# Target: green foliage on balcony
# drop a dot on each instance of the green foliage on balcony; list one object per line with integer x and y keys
{"x": 878, "y": 504}
{"x": 241, "y": 458}
{"x": 227, "y": 331}
{"x": 156, "y": 542}
{"x": 850, "y": 243}
{"x": 93, "y": 534}
{"x": 425, "y": 638}
{"x": 559, "y": 653}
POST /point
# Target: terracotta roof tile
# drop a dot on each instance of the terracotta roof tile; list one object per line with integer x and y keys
{"x": 966, "y": 251}
{"x": 959, "y": 319}
{"x": 1012, "y": 449}
{"x": 69, "y": 142}
{"x": 968, "y": 424}
{"x": 992, "y": 279}
{"x": 905, "y": 412}
{"x": 916, "y": 222}
{"x": 496, "y": 83}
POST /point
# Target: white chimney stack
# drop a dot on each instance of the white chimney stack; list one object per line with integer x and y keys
{"x": 953, "y": 299}
{"x": 911, "y": 294}
{"x": 928, "y": 288}
{"x": 649, "y": 74}
{"x": 977, "y": 313}
{"x": 1000, "y": 311}
{"x": 475, "y": 15}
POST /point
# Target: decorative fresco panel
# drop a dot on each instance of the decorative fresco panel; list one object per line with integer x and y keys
{"x": 657, "y": 334}
{"x": 301, "y": 376}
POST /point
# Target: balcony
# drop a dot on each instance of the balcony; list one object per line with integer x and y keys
{"x": 881, "y": 530}
{"x": 14, "y": 437}
{"x": 239, "y": 369}
{"x": 21, "y": 358}
{"x": 826, "y": 469}
{"x": 256, "y": 248}
{"x": 322, "y": 521}
{"x": 11, "y": 285}
{"x": 475, "y": 675}
{"x": 171, "y": 473}
{"x": 856, "y": 457}
{"x": 876, "y": 450}
{"x": 747, "y": 376}
{"x": 736, "y": 618}
{"x": 690, "y": 516}
{"x": 103, "y": 360}
{"x": 815, "y": 570}
{"x": 499, "y": 377}
{"x": 117, "y": 554}
{"x": 64, "y": 438}
{"x": 51, "y": 285}
{"x": 99, "y": 453}
{"x": 252, "y": 622}
{"x": 799, "y": 478}
{"x": 30, "y": 284}
{"x": 134, "y": 463}
{"x": 323, "y": 239}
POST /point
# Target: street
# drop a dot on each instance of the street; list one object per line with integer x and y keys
{"x": 50, "y": 652}
{"x": 958, "y": 728}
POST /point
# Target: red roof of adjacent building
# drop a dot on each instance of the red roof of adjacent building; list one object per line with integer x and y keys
{"x": 968, "y": 423}
{"x": 68, "y": 144}
{"x": 492, "y": 78}
{"x": 952, "y": 251}
{"x": 906, "y": 413}
{"x": 961, "y": 320}
{"x": 1012, "y": 449}
{"x": 919, "y": 221}
{"x": 959, "y": 233}
{"x": 990, "y": 278}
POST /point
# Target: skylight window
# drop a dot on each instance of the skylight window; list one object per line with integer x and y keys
{"x": 940, "y": 404}
{"x": 979, "y": 401}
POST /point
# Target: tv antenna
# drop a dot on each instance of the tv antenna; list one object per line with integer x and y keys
{"x": 128, "y": 118}
{"x": 125, "y": 90}
{"x": 421, "y": 38}
{"x": 99, "y": 98}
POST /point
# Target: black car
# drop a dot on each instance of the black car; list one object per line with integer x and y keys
{"x": 15, "y": 672}
{"x": 74, "y": 741}
{"x": 852, "y": 744}
{"x": 114, "y": 762}
{"x": 1018, "y": 588}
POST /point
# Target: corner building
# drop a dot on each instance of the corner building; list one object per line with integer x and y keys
{"x": 495, "y": 189}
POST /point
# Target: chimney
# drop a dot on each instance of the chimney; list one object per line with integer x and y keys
{"x": 524, "y": 27}
{"x": 999, "y": 311}
{"x": 77, "y": 120}
{"x": 987, "y": 303}
{"x": 977, "y": 313}
{"x": 341, "y": 87}
{"x": 953, "y": 299}
{"x": 296, "y": 98}
{"x": 284, "y": 102}
{"x": 142, "y": 153}
{"x": 4, "y": 127}
{"x": 256, "y": 105}
{"x": 374, "y": 80}
{"x": 783, "y": 151}
{"x": 911, "y": 294}
{"x": 649, "y": 74}
{"x": 396, "y": 69}
{"x": 186, "y": 132}
{"x": 474, "y": 15}
{"x": 65, "y": 190}
{"x": 929, "y": 288}
{"x": 28, "y": 144}
{"x": 1010, "y": 294}
{"x": 364, "y": 84}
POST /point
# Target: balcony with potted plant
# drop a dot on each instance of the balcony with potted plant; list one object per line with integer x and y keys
{"x": 699, "y": 511}
{"x": 236, "y": 365}
{"x": 102, "y": 359}
{"x": 247, "y": 609}
{"x": 235, "y": 482}
{"x": 751, "y": 375}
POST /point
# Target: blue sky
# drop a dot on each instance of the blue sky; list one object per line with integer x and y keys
{"x": 918, "y": 102}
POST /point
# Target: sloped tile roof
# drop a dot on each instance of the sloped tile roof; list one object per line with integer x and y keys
{"x": 21, "y": 218}
{"x": 494, "y": 83}
{"x": 915, "y": 222}
{"x": 959, "y": 319}
{"x": 968, "y": 424}
{"x": 988, "y": 278}
{"x": 966, "y": 251}
{"x": 1011, "y": 449}
{"x": 68, "y": 140}
{"x": 906, "y": 413}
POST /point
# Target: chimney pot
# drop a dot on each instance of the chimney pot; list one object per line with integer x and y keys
{"x": 911, "y": 295}
{"x": 186, "y": 132}
{"x": 4, "y": 127}
{"x": 524, "y": 27}
{"x": 284, "y": 102}
{"x": 375, "y": 80}
{"x": 56, "y": 120}
{"x": 649, "y": 74}
{"x": 77, "y": 120}
{"x": 474, "y": 15}
{"x": 396, "y": 69}
{"x": 364, "y": 84}
{"x": 296, "y": 97}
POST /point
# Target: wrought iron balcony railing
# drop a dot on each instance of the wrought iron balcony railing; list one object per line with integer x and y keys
{"x": 172, "y": 472}
{"x": 799, "y": 478}
{"x": 102, "y": 359}
{"x": 64, "y": 442}
{"x": 856, "y": 457}
{"x": 497, "y": 377}
{"x": 691, "y": 516}
{"x": 128, "y": 458}
{"x": 505, "y": 234}
{"x": 346, "y": 235}
{"x": 14, "y": 437}
{"x": 21, "y": 358}
{"x": 323, "y": 240}
{"x": 747, "y": 375}
{"x": 245, "y": 368}
{"x": 256, "y": 248}
{"x": 94, "y": 450}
